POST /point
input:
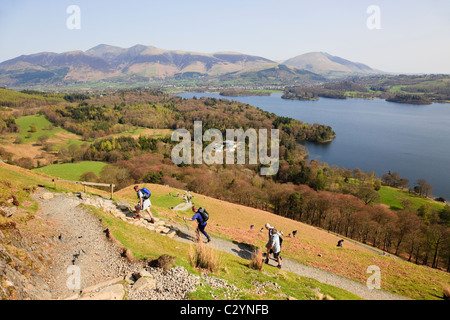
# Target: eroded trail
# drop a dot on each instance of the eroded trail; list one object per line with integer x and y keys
{"x": 80, "y": 241}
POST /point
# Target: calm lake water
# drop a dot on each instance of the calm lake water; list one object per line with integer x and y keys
{"x": 373, "y": 135}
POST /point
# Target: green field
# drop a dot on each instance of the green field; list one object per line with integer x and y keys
{"x": 42, "y": 128}
{"x": 72, "y": 171}
{"x": 393, "y": 198}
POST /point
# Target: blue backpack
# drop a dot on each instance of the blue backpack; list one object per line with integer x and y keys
{"x": 146, "y": 193}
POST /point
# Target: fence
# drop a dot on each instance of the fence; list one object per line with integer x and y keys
{"x": 85, "y": 184}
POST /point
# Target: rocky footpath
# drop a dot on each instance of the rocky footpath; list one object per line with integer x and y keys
{"x": 105, "y": 271}
{"x": 123, "y": 210}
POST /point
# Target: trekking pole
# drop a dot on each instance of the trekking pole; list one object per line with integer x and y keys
{"x": 184, "y": 222}
{"x": 186, "y": 225}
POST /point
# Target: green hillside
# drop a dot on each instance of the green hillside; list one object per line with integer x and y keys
{"x": 72, "y": 171}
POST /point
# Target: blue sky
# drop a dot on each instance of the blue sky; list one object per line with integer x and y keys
{"x": 414, "y": 35}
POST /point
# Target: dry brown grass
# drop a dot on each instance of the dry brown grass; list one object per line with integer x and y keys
{"x": 446, "y": 290}
{"x": 62, "y": 138}
{"x": 256, "y": 262}
{"x": 29, "y": 150}
{"x": 202, "y": 257}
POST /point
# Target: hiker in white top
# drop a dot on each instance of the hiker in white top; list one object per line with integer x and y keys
{"x": 143, "y": 204}
{"x": 275, "y": 246}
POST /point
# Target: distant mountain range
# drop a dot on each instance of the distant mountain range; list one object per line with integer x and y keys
{"x": 145, "y": 64}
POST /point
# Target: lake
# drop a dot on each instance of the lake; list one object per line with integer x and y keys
{"x": 373, "y": 135}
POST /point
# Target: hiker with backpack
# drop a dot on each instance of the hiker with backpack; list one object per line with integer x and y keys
{"x": 144, "y": 203}
{"x": 273, "y": 245}
{"x": 202, "y": 216}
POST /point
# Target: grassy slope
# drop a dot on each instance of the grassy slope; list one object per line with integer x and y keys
{"x": 72, "y": 171}
{"x": 146, "y": 244}
{"x": 393, "y": 197}
{"x": 233, "y": 222}
{"x": 41, "y": 122}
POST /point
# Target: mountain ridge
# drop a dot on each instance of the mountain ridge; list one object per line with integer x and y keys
{"x": 140, "y": 63}
{"x": 328, "y": 65}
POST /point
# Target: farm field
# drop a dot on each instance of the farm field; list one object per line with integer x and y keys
{"x": 393, "y": 197}
{"x": 72, "y": 171}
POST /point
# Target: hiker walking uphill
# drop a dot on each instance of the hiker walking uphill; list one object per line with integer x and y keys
{"x": 144, "y": 203}
{"x": 201, "y": 215}
{"x": 273, "y": 245}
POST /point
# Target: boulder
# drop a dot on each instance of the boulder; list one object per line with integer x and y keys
{"x": 144, "y": 283}
{"x": 47, "y": 196}
{"x": 172, "y": 234}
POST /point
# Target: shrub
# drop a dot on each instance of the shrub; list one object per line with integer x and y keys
{"x": 26, "y": 163}
{"x": 256, "y": 261}
{"x": 33, "y": 128}
{"x": 164, "y": 262}
{"x": 446, "y": 290}
{"x": 89, "y": 177}
{"x": 203, "y": 257}
{"x": 18, "y": 140}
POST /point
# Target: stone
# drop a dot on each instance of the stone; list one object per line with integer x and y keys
{"x": 172, "y": 234}
{"x": 145, "y": 273}
{"x": 7, "y": 211}
{"x": 47, "y": 196}
{"x": 159, "y": 223}
{"x": 144, "y": 283}
{"x": 101, "y": 285}
{"x": 84, "y": 196}
{"x": 129, "y": 278}
{"x": 74, "y": 297}
{"x": 165, "y": 230}
{"x": 142, "y": 273}
{"x": 115, "y": 292}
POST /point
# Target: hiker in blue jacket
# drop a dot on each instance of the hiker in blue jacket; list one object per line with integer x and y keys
{"x": 201, "y": 222}
{"x": 143, "y": 204}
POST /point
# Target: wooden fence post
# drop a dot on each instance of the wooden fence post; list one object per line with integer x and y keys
{"x": 85, "y": 184}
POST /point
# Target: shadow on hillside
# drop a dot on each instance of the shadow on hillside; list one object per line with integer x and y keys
{"x": 244, "y": 250}
{"x": 186, "y": 236}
